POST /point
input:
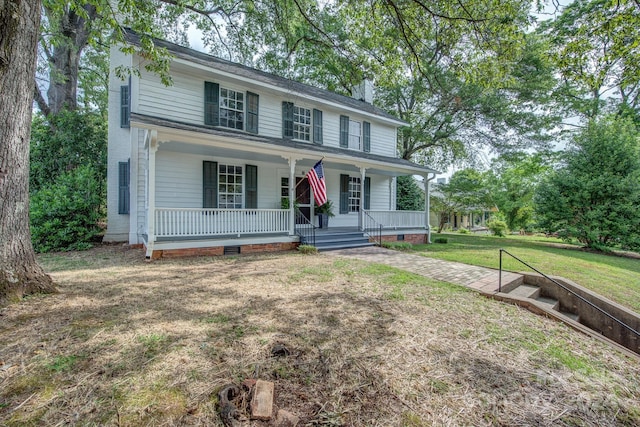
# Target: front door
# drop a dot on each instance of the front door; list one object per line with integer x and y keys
{"x": 303, "y": 196}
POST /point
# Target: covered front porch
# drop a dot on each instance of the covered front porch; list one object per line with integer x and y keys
{"x": 212, "y": 189}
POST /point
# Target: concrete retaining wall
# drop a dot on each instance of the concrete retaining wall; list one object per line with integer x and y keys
{"x": 590, "y": 316}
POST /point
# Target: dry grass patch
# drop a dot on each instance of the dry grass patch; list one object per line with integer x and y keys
{"x": 134, "y": 343}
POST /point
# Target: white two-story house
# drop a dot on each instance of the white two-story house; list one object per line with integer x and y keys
{"x": 209, "y": 164}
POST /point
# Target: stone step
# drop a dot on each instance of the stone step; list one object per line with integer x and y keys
{"x": 526, "y": 291}
{"x": 343, "y": 245}
{"x": 550, "y": 303}
{"x": 511, "y": 281}
{"x": 572, "y": 316}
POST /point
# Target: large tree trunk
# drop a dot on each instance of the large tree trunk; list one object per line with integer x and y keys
{"x": 65, "y": 57}
{"x": 20, "y": 274}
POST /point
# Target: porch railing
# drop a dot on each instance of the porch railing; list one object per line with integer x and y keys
{"x": 399, "y": 219}
{"x": 372, "y": 228}
{"x": 187, "y": 222}
{"x": 305, "y": 229}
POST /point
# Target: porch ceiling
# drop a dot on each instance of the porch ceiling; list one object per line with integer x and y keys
{"x": 200, "y": 140}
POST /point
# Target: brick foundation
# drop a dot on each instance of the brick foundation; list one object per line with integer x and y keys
{"x": 414, "y": 239}
{"x": 219, "y": 250}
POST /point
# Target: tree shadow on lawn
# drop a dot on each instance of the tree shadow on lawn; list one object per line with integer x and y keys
{"x": 141, "y": 332}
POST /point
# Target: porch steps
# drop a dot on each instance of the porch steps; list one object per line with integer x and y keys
{"x": 341, "y": 240}
{"x": 533, "y": 293}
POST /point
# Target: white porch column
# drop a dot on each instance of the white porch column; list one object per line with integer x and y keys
{"x": 292, "y": 195}
{"x": 427, "y": 204}
{"x": 361, "y": 213}
{"x": 151, "y": 211}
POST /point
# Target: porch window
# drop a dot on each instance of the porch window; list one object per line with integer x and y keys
{"x": 354, "y": 194}
{"x": 229, "y": 187}
{"x": 350, "y": 191}
{"x": 284, "y": 192}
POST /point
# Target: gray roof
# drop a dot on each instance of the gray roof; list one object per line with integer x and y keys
{"x": 261, "y": 76}
{"x": 278, "y": 142}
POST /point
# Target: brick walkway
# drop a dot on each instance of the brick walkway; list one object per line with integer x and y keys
{"x": 479, "y": 278}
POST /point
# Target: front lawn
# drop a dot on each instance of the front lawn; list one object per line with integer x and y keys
{"x": 614, "y": 277}
{"x": 346, "y": 343}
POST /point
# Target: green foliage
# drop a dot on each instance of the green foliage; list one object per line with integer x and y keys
{"x": 594, "y": 46}
{"x": 65, "y": 141}
{"x": 398, "y": 246}
{"x": 497, "y": 225}
{"x": 595, "y": 196}
{"x": 326, "y": 209}
{"x": 513, "y": 180}
{"x": 65, "y": 213}
{"x": 409, "y": 197}
{"x": 467, "y": 191}
{"x": 463, "y": 230}
{"x": 307, "y": 249}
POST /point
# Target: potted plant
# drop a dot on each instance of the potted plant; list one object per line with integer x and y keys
{"x": 324, "y": 212}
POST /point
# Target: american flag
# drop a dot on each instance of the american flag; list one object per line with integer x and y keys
{"x": 316, "y": 180}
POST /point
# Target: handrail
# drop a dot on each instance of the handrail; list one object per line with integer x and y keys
{"x": 305, "y": 229}
{"x": 580, "y": 297}
{"x": 372, "y": 228}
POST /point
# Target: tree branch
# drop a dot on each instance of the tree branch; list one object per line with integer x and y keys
{"x": 42, "y": 104}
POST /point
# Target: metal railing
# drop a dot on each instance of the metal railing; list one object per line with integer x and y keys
{"x": 581, "y": 298}
{"x": 305, "y": 229}
{"x": 372, "y": 228}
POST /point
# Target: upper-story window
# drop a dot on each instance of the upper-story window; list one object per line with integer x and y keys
{"x": 125, "y": 105}
{"x": 230, "y": 108}
{"x": 355, "y": 135}
{"x": 301, "y": 123}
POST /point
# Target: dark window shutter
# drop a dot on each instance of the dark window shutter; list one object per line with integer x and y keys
{"x": 125, "y": 106}
{"x": 344, "y": 194}
{"x": 251, "y": 187}
{"x": 211, "y": 104}
{"x": 317, "y": 126}
{"x": 287, "y": 119}
{"x": 252, "y": 112}
{"x": 123, "y": 187}
{"x": 209, "y": 184}
{"x": 366, "y": 137}
{"x": 367, "y": 193}
{"x": 344, "y": 131}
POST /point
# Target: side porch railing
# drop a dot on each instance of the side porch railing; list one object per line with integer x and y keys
{"x": 398, "y": 219}
{"x": 193, "y": 222}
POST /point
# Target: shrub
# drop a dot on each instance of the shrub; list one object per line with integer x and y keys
{"x": 497, "y": 226}
{"x": 398, "y": 246}
{"x": 307, "y": 249}
{"x": 463, "y": 230}
{"x": 65, "y": 213}
{"x": 440, "y": 240}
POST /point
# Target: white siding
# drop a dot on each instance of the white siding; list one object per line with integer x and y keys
{"x": 179, "y": 180}
{"x": 184, "y": 102}
{"x": 118, "y": 150}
